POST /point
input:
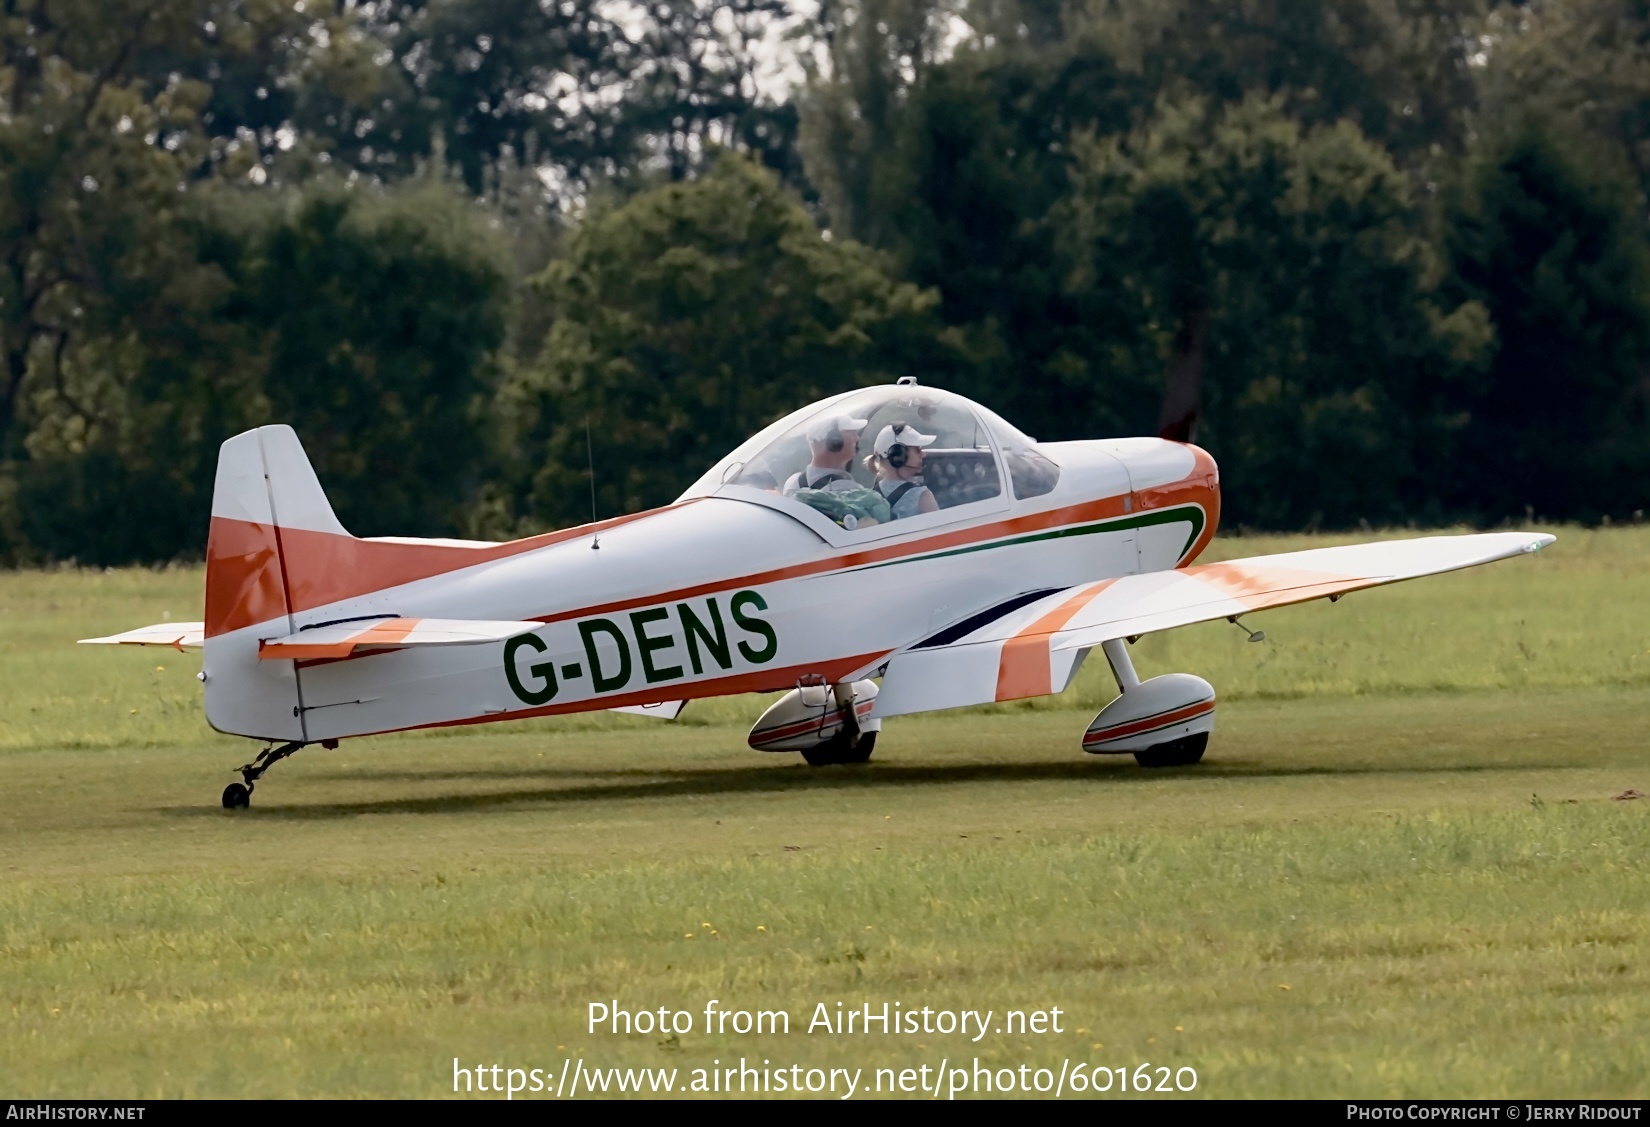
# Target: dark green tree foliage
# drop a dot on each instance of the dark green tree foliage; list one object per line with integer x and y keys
{"x": 90, "y": 158}
{"x": 484, "y": 75}
{"x": 953, "y": 164}
{"x": 692, "y": 86}
{"x": 122, "y": 471}
{"x": 379, "y": 315}
{"x": 1398, "y": 69}
{"x": 875, "y": 54}
{"x": 593, "y": 92}
{"x": 987, "y": 156}
{"x": 368, "y": 321}
{"x": 1561, "y": 422}
{"x": 1404, "y": 304}
{"x": 686, "y": 320}
{"x": 95, "y": 255}
{"x": 1582, "y": 63}
{"x": 244, "y": 59}
{"x": 1290, "y": 258}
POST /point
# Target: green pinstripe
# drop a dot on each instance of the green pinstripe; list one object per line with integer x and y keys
{"x": 1177, "y": 515}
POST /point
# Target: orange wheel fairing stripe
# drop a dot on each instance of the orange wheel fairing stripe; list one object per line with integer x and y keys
{"x": 768, "y": 735}
{"x": 1134, "y": 727}
{"x": 1023, "y": 669}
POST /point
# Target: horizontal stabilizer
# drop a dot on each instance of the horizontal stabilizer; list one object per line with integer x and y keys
{"x": 345, "y": 638}
{"x": 178, "y": 635}
{"x": 1036, "y": 648}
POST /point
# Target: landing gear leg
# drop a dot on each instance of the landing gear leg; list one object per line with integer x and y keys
{"x": 852, "y": 744}
{"x": 237, "y": 795}
{"x": 1122, "y": 666}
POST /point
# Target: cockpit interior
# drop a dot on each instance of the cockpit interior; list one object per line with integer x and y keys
{"x": 970, "y": 456}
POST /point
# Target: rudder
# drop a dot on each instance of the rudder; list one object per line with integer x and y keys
{"x": 264, "y": 485}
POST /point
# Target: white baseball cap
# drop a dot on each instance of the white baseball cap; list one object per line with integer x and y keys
{"x": 821, "y": 428}
{"x": 900, "y": 435}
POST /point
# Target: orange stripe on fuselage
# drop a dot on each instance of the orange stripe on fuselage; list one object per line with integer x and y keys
{"x": 1201, "y": 486}
{"x": 963, "y": 537}
{"x": 1023, "y": 669}
{"x": 324, "y": 568}
{"x": 243, "y": 580}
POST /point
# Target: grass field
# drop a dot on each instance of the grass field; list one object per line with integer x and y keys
{"x": 1401, "y": 870}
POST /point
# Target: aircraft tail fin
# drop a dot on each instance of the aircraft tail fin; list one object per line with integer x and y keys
{"x": 265, "y": 486}
{"x": 294, "y": 491}
{"x": 265, "y": 495}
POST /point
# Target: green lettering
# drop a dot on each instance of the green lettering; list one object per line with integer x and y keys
{"x": 646, "y": 645}
{"x": 544, "y": 669}
{"x": 695, "y": 630}
{"x": 754, "y": 625}
{"x": 588, "y": 631}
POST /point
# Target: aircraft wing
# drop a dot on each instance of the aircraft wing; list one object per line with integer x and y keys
{"x": 178, "y": 635}
{"x": 344, "y": 638}
{"x": 1035, "y": 648}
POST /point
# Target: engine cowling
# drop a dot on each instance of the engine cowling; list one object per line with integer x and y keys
{"x": 809, "y": 716}
{"x": 1173, "y": 709}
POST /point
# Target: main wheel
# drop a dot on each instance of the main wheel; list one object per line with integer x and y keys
{"x": 236, "y": 795}
{"x": 860, "y": 752}
{"x": 1183, "y": 752}
{"x": 840, "y": 748}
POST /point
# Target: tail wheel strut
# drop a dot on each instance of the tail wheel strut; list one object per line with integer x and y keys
{"x": 237, "y": 795}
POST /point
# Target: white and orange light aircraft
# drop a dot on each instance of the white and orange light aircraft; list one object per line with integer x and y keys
{"x": 782, "y": 568}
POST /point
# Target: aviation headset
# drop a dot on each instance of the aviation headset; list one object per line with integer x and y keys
{"x": 898, "y": 453}
{"x": 834, "y": 442}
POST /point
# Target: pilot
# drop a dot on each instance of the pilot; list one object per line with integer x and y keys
{"x": 832, "y": 442}
{"x": 898, "y": 466}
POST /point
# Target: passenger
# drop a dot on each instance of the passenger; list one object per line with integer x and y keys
{"x": 898, "y": 466}
{"x": 832, "y": 443}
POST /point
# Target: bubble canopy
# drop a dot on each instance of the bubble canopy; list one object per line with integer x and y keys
{"x": 964, "y": 464}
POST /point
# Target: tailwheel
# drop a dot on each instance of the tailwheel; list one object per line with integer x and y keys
{"x": 843, "y": 748}
{"x": 1176, "y": 753}
{"x": 238, "y": 795}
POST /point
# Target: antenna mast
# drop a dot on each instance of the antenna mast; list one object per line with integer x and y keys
{"x": 590, "y": 454}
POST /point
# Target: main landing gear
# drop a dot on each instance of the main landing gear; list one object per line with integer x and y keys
{"x": 845, "y": 747}
{"x": 237, "y": 796}
{"x": 829, "y": 724}
{"x": 1162, "y": 722}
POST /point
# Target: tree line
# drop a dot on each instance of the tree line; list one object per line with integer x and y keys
{"x": 1388, "y": 260}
